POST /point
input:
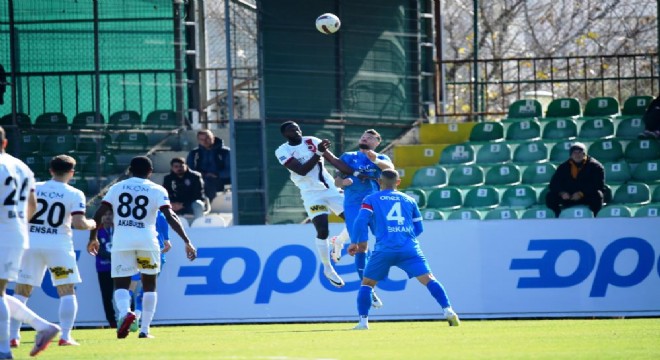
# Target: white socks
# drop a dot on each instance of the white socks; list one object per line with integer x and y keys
{"x": 323, "y": 248}
{"x": 123, "y": 301}
{"x": 19, "y": 311}
{"x": 14, "y": 324}
{"x": 4, "y": 325}
{"x": 68, "y": 311}
{"x": 343, "y": 236}
{"x": 149, "y": 301}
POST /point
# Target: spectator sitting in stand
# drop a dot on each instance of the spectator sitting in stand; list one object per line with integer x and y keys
{"x": 185, "y": 188}
{"x": 211, "y": 159}
{"x": 652, "y": 120}
{"x": 578, "y": 180}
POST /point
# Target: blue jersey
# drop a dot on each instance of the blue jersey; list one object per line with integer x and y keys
{"x": 163, "y": 229}
{"x": 358, "y": 161}
{"x": 395, "y": 219}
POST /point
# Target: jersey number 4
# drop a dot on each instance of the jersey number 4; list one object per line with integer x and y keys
{"x": 395, "y": 214}
{"x": 128, "y": 207}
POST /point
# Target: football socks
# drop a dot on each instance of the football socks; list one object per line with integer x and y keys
{"x": 438, "y": 292}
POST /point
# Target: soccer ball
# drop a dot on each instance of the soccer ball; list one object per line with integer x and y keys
{"x": 328, "y": 23}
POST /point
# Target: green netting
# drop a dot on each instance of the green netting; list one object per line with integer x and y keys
{"x": 55, "y": 52}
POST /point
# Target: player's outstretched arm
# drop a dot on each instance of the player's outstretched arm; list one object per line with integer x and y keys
{"x": 338, "y": 163}
{"x": 93, "y": 244}
{"x": 360, "y": 230}
{"x": 80, "y": 222}
{"x": 175, "y": 223}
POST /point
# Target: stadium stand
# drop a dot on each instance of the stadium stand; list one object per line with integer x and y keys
{"x": 525, "y": 109}
{"x": 576, "y": 212}
{"x": 51, "y": 121}
{"x": 446, "y": 198}
{"x": 614, "y": 210}
{"x": 564, "y": 108}
{"x": 560, "y": 129}
{"x": 430, "y": 177}
{"x": 503, "y": 174}
{"x": 487, "y": 132}
{"x": 501, "y": 214}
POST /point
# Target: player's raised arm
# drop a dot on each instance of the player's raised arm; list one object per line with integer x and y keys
{"x": 175, "y": 223}
{"x": 338, "y": 163}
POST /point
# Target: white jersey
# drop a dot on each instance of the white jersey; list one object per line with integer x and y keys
{"x": 50, "y": 227}
{"x": 16, "y": 183}
{"x": 135, "y": 203}
{"x": 316, "y": 179}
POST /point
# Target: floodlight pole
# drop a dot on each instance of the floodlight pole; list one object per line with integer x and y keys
{"x": 230, "y": 116}
{"x": 475, "y": 48}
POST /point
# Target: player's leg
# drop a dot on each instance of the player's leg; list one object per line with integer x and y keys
{"x": 124, "y": 265}
{"x": 415, "y": 265}
{"x": 320, "y": 222}
{"x": 150, "y": 267}
{"x": 135, "y": 289}
{"x": 22, "y": 293}
{"x": 64, "y": 275}
{"x": 376, "y": 270}
{"x": 33, "y": 269}
{"x": 5, "y": 351}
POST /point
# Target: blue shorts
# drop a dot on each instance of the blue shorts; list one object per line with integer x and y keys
{"x": 412, "y": 261}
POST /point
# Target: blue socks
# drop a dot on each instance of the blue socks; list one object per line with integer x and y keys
{"x": 360, "y": 263}
{"x": 438, "y": 292}
{"x": 364, "y": 300}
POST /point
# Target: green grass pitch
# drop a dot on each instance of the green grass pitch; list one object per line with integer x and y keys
{"x": 488, "y": 339}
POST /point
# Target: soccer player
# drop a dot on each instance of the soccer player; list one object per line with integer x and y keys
{"x": 17, "y": 204}
{"x": 361, "y": 171}
{"x": 303, "y": 157}
{"x": 397, "y": 222}
{"x": 60, "y": 207}
{"x": 135, "y": 203}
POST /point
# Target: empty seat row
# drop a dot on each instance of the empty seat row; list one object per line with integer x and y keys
{"x": 558, "y": 129}
{"x": 90, "y": 165}
{"x": 542, "y": 212}
{"x": 571, "y": 108}
{"x": 473, "y": 175}
{"x": 29, "y": 143}
{"x": 520, "y": 196}
{"x": 127, "y": 119}
{"x": 604, "y": 150}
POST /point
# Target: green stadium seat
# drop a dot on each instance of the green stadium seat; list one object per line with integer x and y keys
{"x": 501, "y": 214}
{"x": 487, "y": 131}
{"x": 107, "y": 162}
{"x": 597, "y": 129}
{"x": 524, "y": 130}
{"x": 432, "y": 214}
{"x": 611, "y": 211}
{"x": 632, "y": 193}
{"x": 133, "y": 141}
{"x": 538, "y": 174}
{"x": 125, "y": 119}
{"x": 650, "y": 210}
{"x": 606, "y": 150}
{"x": 87, "y": 121}
{"x": 467, "y": 175}
{"x": 540, "y": 212}
{"x": 51, "y": 121}
{"x": 418, "y": 194}
{"x": 531, "y": 152}
{"x": 560, "y": 129}
{"x": 524, "y": 109}
{"x": 563, "y": 108}
{"x": 483, "y": 197}
{"x": 464, "y": 214}
{"x": 576, "y": 212}
{"x": 28, "y": 144}
{"x": 88, "y": 143}
{"x": 639, "y": 150}
{"x": 647, "y": 172}
{"x": 446, "y": 198}
{"x": 629, "y": 128}
{"x": 162, "y": 119}
{"x": 519, "y": 197}
{"x": 655, "y": 197}
{"x": 560, "y": 151}
{"x": 457, "y": 154}
{"x": 635, "y": 106}
{"x": 494, "y": 153}
{"x": 58, "y": 144}
{"x": 617, "y": 172}
{"x": 430, "y": 176}
{"x": 542, "y": 194}
{"x": 36, "y": 163}
{"x": 503, "y": 174}
{"x": 601, "y": 107}
{"x": 23, "y": 121}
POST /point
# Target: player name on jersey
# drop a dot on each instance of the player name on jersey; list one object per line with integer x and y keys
{"x": 38, "y": 229}
{"x": 133, "y": 223}
{"x": 11, "y": 214}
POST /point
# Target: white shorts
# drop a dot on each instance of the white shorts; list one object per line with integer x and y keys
{"x": 318, "y": 202}
{"x": 10, "y": 262}
{"x": 60, "y": 262}
{"x": 128, "y": 262}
